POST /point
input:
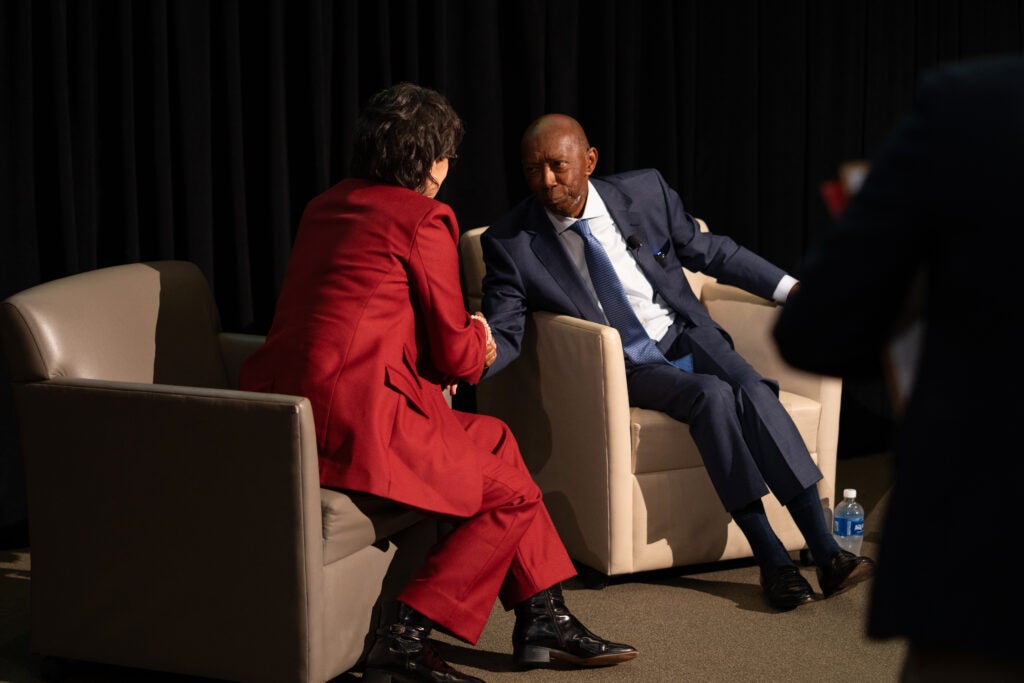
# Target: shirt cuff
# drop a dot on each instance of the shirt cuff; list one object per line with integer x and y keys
{"x": 782, "y": 289}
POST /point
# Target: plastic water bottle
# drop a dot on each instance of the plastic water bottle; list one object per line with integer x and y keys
{"x": 848, "y": 522}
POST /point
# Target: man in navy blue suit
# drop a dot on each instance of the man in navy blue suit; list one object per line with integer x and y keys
{"x": 942, "y": 200}
{"x": 536, "y": 260}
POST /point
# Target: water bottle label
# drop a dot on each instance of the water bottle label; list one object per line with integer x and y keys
{"x": 848, "y": 527}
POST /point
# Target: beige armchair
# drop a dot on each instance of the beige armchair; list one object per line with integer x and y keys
{"x": 177, "y": 524}
{"x": 625, "y": 486}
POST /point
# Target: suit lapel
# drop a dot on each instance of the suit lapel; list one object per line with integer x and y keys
{"x": 669, "y": 284}
{"x": 551, "y": 255}
{"x": 629, "y": 223}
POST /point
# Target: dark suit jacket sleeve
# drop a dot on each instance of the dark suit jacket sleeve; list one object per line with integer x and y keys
{"x": 932, "y": 199}
{"x": 853, "y": 282}
{"x": 643, "y": 204}
{"x": 456, "y": 342}
{"x": 504, "y": 304}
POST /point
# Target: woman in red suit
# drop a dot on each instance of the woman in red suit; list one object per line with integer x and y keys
{"x": 370, "y": 326}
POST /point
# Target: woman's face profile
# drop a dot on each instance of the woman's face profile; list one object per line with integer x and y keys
{"x": 438, "y": 172}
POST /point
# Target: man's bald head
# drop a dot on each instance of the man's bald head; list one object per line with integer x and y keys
{"x": 557, "y": 162}
{"x": 560, "y": 125}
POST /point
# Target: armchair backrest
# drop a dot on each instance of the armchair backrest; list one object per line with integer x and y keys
{"x": 142, "y": 322}
{"x": 472, "y": 259}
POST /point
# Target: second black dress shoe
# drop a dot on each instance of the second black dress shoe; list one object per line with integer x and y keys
{"x": 786, "y": 588}
{"x": 402, "y": 652}
{"x": 546, "y": 630}
{"x": 844, "y": 570}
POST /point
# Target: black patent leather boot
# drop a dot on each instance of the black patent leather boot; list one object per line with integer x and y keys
{"x": 402, "y": 652}
{"x": 546, "y": 630}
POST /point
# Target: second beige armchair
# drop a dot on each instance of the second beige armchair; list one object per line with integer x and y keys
{"x": 177, "y": 524}
{"x": 626, "y": 486}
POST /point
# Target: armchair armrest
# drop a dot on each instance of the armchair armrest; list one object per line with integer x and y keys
{"x": 582, "y": 465}
{"x": 749, "y": 320}
{"x": 159, "y": 533}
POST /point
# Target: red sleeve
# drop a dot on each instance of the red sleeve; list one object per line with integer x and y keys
{"x": 457, "y": 341}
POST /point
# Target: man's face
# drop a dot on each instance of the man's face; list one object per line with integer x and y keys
{"x": 557, "y": 164}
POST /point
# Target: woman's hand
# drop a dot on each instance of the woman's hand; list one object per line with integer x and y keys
{"x": 490, "y": 348}
{"x": 490, "y": 352}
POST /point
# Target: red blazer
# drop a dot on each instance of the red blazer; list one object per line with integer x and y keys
{"x": 369, "y": 325}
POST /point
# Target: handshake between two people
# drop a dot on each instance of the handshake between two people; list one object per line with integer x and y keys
{"x": 490, "y": 349}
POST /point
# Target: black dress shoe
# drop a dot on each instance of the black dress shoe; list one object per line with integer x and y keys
{"x": 402, "y": 652}
{"x": 844, "y": 570}
{"x": 786, "y": 588}
{"x": 546, "y": 630}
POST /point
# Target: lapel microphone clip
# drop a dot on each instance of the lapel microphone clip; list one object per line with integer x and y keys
{"x": 661, "y": 256}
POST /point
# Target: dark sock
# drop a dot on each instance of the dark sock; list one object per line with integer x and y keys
{"x": 806, "y": 511}
{"x": 769, "y": 553}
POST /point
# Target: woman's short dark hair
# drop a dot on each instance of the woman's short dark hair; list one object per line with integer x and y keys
{"x": 402, "y": 131}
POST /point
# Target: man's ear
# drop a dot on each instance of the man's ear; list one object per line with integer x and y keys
{"x": 591, "y": 160}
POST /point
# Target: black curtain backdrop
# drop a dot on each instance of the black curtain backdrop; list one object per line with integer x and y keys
{"x": 199, "y": 129}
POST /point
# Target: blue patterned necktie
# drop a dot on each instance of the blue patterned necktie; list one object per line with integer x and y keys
{"x": 636, "y": 343}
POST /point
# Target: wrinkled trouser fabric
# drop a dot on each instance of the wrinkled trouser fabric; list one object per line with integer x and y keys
{"x": 747, "y": 440}
{"x": 509, "y": 550}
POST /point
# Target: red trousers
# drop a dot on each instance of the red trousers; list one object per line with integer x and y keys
{"x": 508, "y": 550}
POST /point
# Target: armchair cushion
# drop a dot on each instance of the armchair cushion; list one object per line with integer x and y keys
{"x": 661, "y": 443}
{"x": 352, "y": 521}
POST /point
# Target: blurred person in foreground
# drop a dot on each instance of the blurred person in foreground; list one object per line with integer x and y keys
{"x": 929, "y": 240}
{"x": 555, "y": 251}
{"x": 370, "y": 326}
